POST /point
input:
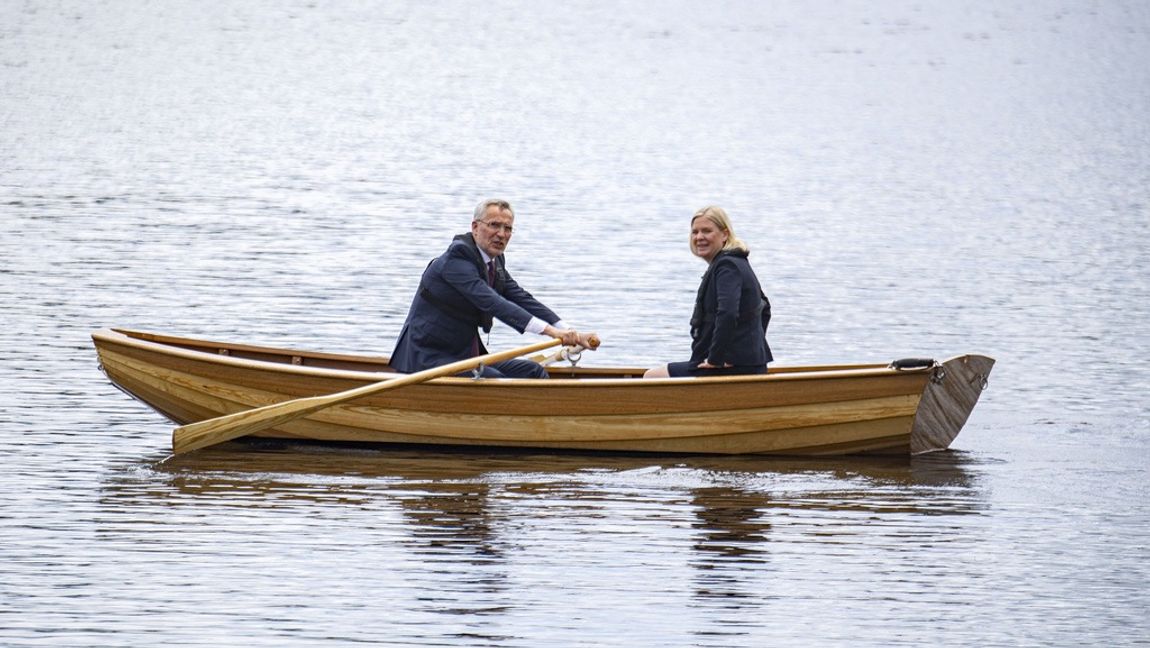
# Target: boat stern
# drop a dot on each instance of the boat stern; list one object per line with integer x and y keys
{"x": 947, "y": 401}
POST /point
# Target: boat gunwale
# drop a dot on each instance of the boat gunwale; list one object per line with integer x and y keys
{"x": 170, "y": 346}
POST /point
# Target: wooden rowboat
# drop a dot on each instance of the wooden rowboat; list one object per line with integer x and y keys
{"x": 905, "y": 407}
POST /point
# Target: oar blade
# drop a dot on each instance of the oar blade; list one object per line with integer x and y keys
{"x": 199, "y": 435}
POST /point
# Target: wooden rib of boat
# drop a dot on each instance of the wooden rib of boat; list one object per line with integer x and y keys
{"x": 808, "y": 410}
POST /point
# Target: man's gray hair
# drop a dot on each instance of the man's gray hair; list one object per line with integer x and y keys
{"x": 481, "y": 208}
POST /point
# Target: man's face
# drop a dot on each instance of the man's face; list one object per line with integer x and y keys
{"x": 493, "y": 231}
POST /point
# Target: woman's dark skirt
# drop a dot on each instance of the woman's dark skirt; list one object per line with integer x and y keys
{"x": 690, "y": 369}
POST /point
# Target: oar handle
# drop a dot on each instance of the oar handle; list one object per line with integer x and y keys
{"x": 566, "y": 352}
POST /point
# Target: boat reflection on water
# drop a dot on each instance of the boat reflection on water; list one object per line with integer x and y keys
{"x": 295, "y": 461}
{"x": 814, "y": 510}
{"x": 733, "y": 516}
{"x": 725, "y": 490}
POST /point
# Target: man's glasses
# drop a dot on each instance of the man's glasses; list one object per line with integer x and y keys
{"x": 495, "y": 227}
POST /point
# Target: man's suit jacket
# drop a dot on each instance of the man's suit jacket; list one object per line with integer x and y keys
{"x": 453, "y": 301}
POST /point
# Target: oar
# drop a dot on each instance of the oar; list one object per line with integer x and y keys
{"x": 232, "y": 426}
{"x": 566, "y": 352}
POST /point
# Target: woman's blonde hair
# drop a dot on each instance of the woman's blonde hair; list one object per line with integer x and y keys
{"x": 716, "y": 215}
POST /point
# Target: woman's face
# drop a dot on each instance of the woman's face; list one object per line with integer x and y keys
{"x": 707, "y": 238}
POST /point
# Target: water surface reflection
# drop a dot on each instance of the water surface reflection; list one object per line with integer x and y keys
{"x": 467, "y": 503}
{"x": 472, "y": 533}
{"x": 275, "y": 469}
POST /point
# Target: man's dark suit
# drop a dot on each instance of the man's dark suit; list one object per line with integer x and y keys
{"x": 454, "y": 299}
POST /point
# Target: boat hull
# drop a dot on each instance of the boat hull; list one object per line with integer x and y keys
{"x": 794, "y": 411}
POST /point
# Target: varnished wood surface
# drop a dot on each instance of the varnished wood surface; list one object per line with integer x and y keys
{"x": 798, "y": 410}
{"x": 233, "y": 425}
{"x": 950, "y": 396}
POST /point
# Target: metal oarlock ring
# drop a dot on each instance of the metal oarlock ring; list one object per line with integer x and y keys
{"x": 573, "y": 356}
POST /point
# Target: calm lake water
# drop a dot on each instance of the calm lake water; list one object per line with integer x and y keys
{"x": 914, "y": 178}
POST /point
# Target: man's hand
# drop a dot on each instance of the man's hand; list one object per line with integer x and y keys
{"x": 571, "y": 337}
{"x": 589, "y": 341}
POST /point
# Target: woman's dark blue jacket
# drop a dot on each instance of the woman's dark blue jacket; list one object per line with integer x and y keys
{"x": 731, "y": 315}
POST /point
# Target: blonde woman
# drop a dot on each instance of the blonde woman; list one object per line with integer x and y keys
{"x": 729, "y": 325}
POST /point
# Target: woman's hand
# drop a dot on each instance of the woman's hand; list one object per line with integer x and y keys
{"x": 706, "y": 364}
